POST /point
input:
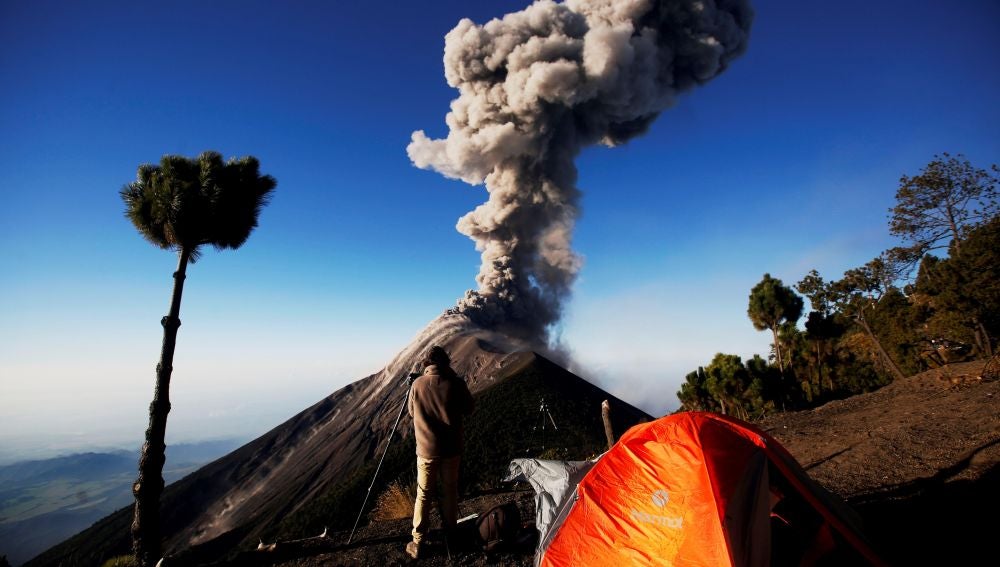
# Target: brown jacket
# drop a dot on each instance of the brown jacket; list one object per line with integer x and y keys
{"x": 438, "y": 401}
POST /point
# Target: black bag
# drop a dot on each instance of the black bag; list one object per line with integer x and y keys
{"x": 499, "y": 525}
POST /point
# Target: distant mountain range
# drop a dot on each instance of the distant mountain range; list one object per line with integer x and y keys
{"x": 313, "y": 470}
{"x": 43, "y": 502}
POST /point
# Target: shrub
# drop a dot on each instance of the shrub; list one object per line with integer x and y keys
{"x": 120, "y": 561}
{"x": 395, "y": 502}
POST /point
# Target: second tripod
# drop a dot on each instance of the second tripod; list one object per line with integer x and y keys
{"x": 543, "y": 413}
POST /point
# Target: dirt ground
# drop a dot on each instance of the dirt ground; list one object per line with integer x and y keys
{"x": 918, "y": 460}
{"x": 382, "y": 543}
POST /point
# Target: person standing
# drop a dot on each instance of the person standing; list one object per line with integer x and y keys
{"x": 439, "y": 400}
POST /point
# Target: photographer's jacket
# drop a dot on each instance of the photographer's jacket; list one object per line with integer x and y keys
{"x": 438, "y": 401}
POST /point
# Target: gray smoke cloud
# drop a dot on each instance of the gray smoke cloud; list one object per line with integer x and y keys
{"x": 537, "y": 86}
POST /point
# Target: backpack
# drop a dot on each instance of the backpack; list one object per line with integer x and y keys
{"x": 499, "y": 525}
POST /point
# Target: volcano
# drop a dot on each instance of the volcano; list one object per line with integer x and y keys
{"x": 312, "y": 471}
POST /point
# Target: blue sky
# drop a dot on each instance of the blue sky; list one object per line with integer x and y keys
{"x": 786, "y": 162}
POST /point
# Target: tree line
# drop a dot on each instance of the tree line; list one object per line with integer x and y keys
{"x": 932, "y": 300}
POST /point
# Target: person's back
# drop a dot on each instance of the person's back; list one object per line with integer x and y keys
{"x": 438, "y": 401}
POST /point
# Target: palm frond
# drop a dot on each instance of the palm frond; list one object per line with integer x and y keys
{"x": 140, "y": 208}
{"x": 184, "y": 203}
{"x": 241, "y": 197}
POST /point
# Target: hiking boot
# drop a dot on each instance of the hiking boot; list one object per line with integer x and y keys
{"x": 413, "y": 549}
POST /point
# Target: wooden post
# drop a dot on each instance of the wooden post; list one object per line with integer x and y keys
{"x": 606, "y": 415}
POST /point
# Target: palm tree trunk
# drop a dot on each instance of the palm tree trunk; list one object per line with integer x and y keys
{"x": 149, "y": 485}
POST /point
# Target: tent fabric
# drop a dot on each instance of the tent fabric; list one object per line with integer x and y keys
{"x": 552, "y": 481}
{"x": 702, "y": 489}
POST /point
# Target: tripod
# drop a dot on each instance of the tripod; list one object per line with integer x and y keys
{"x": 543, "y": 412}
{"x": 406, "y": 398}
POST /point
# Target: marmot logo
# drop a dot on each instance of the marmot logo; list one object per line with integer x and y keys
{"x": 660, "y": 498}
{"x": 675, "y": 523}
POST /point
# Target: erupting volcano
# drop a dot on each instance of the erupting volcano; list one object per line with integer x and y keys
{"x": 535, "y": 88}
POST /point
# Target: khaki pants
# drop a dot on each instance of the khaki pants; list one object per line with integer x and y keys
{"x": 429, "y": 471}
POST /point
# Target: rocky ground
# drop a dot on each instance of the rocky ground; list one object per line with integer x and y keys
{"x": 917, "y": 459}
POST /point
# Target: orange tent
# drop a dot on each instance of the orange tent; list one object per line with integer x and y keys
{"x": 701, "y": 489}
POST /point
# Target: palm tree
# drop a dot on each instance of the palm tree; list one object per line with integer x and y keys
{"x": 182, "y": 204}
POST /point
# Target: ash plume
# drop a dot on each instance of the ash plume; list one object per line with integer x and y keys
{"x": 535, "y": 88}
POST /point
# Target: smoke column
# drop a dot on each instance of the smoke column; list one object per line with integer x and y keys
{"x": 536, "y": 87}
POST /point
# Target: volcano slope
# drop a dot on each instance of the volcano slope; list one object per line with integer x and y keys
{"x": 313, "y": 471}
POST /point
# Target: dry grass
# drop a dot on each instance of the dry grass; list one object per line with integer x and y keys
{"x": 991, "y": 371}
{"x": 395, "y": 502}
{"x": 120, "y": 561}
